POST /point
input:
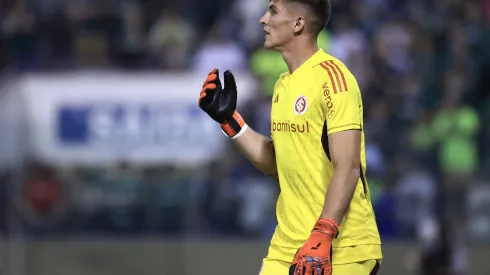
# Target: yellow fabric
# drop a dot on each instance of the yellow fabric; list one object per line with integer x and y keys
{"x": 315, "y": 97}
{"x": 358, "y": 268}
{"x": 276, "y": 267}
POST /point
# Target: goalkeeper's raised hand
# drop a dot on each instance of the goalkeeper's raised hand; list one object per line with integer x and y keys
{"x": 220, "y": 103}
{"x": 315, "y": 257}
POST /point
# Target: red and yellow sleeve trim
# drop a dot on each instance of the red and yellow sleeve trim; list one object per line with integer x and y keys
{"x": 336, "y": 76}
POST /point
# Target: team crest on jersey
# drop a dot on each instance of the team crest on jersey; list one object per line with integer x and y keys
{"x": 300, "y": 105}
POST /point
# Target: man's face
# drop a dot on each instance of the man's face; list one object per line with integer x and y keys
{"x": 278, "y": 25}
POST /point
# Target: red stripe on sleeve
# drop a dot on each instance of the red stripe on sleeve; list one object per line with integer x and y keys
{"x": 341, "y": 74}
{"x": 336, "y": 76}
{"x": 331, "y": 77}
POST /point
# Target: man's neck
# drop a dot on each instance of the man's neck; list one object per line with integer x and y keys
{"x": 296, "y": 55}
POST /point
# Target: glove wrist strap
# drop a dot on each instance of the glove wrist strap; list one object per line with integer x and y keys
{"x": 235, "y": 126}
{"x": 327, "y": 226}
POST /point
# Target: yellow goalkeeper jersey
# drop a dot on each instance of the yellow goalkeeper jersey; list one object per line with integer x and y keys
{"x": 320, "y": 98}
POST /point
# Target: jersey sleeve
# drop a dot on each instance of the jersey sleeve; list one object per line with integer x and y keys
{"x": 342, "y": 99}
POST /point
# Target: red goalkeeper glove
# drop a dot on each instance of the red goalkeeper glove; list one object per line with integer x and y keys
{"x": 220, "y": 103}
{"x": 315, "y": 257}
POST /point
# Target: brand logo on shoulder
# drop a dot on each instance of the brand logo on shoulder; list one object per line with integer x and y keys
{"x": 328, "y": 99}
{"x": 300, "y": 105}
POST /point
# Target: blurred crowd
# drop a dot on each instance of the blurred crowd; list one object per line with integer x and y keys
{"x": 423, "y": 67}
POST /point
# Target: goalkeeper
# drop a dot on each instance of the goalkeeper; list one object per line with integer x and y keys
{"x": 326, "y": 224}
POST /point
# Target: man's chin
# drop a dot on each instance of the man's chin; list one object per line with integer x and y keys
{"x": 269, "y": 46}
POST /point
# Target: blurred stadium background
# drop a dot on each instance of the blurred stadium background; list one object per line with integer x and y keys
{"x": 109, "y": 167}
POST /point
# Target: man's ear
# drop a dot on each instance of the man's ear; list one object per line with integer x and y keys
{"x": 299, "y": 25}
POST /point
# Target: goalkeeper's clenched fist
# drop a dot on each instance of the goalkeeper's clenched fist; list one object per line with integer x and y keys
{"x": 220, "y": 103}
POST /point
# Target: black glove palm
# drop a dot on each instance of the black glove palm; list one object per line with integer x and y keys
{"x": 219, "y": 103}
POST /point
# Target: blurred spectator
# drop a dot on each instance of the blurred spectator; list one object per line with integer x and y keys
{"x": 121, "y": 186}
{"x": 249, "y": 12}
{"x": 87, "y": 197}
{"x": 98, "y": 26}
{"x": 440, "y": 254}
{"x": 257, "y": 112}
{"x": 392, "y": 43}
{"x": 348, "y": 44}
{"x": 209, "y": 13}
{"x": 165, "y": 195}
{"x": 479, "y": 211}
{"x": 218, "y": 51}
{"x": 171, "y": 38}
{"x": 20, "y": 29}
{"x": 267, "y": 65}
{"x": 422, "y": 141}
{"x": 409, "y": 100}
{"x": 384, "y": 207}
{"x": 455, "y": 128}
{"x": 416, "y": 193}
{"x": 257, "y": 197}
{"x": 132, "y": 44}
{"x": 378, "y": 128}
{"x": 219, "y": 211}
{"x": 56, "y": 42}
{"x": 375, "y": 159}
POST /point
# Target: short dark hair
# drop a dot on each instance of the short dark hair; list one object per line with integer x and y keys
{"x": 321, "y": 11}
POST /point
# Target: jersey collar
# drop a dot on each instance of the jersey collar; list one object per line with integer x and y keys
{"x": 310, "y": 62}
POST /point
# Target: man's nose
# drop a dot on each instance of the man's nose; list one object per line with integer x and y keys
{"x": 262, "y": 20}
